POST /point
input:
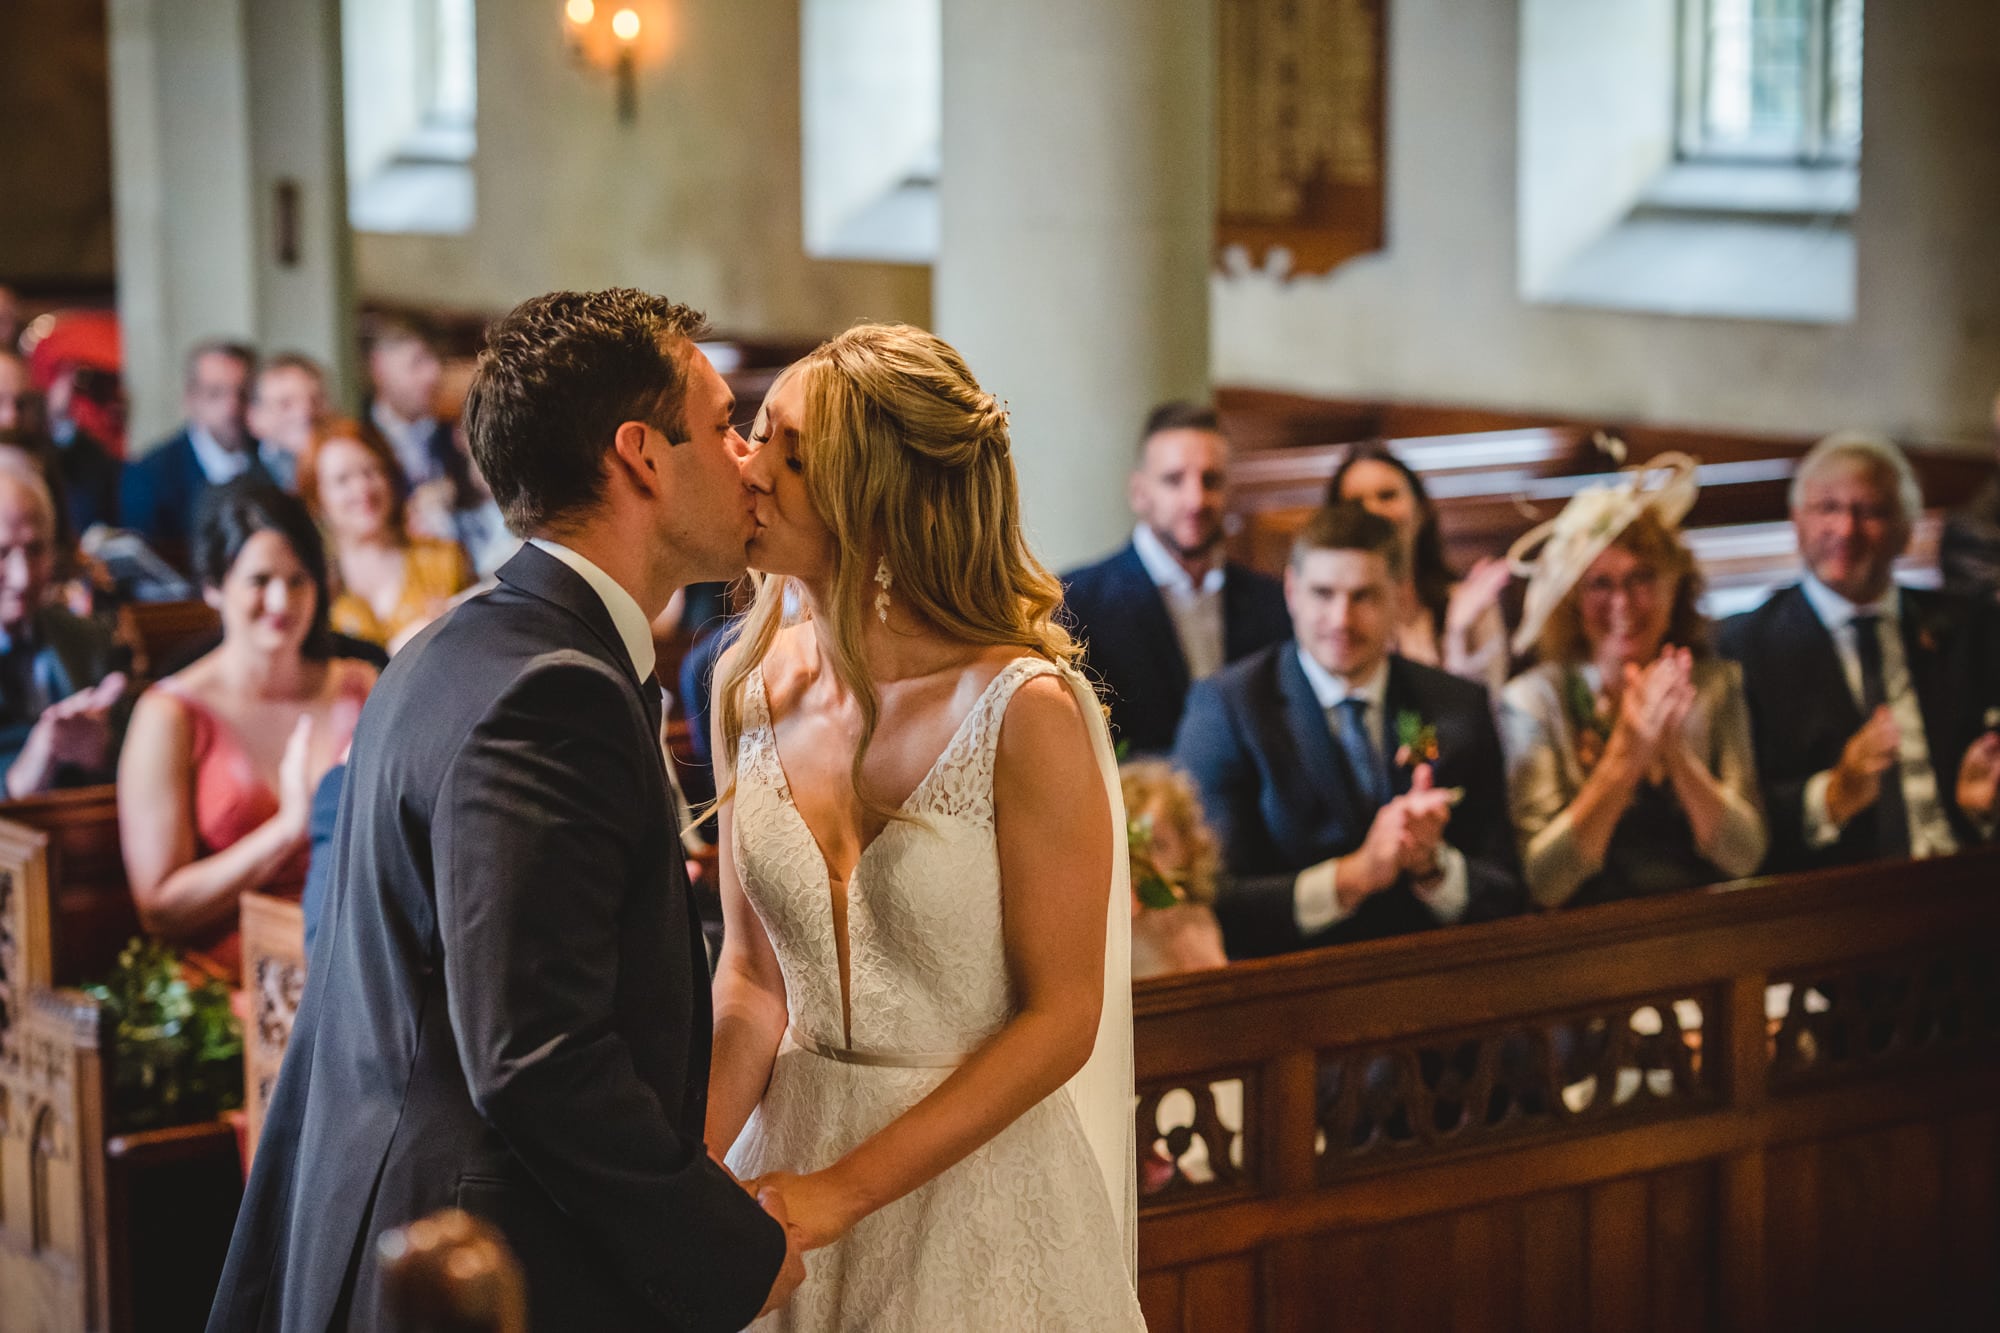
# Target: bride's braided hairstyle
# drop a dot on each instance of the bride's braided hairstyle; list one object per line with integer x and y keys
{"x": 906, "y": 460}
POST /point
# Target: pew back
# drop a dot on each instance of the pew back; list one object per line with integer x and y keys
{"x": 1766, "y": 1105}
{"x": 274, "y": 976}
{"x": 91, "y": 915}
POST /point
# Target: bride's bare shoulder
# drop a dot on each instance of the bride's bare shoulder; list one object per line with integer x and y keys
{"x": 788, "y": 667}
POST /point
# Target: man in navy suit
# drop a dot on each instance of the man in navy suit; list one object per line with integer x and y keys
{"x": 1168, "y": 609}
{"x": 1875, "y": 708}
{"x": 1356, "y": 795}
{"x": 160, "y": 494}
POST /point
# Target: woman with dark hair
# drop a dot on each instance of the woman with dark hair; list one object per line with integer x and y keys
{"x": 216, "y": 779}
{"x": 1448, "y": 623}
{"x": 1630, "y": 769}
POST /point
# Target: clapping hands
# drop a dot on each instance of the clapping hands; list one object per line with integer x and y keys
{"x": 1653, "y": 705}
{"x": 1979, "y": 778}
{"x": 1855, "y": 782}
{"x": 1402, "y": 840}
{"x": 74, "y": 731}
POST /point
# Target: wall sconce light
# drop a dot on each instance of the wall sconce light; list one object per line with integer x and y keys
{"x": 609, "y": 36}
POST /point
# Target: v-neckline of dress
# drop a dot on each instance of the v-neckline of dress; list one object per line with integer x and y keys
{"x": 845, "y": 956}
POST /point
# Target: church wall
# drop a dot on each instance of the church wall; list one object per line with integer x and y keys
{"x": 699, "y": 198}
{"x": 1438, "y": 315}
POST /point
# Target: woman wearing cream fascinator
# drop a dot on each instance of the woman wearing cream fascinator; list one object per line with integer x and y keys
{"x": 1630, "y": 770}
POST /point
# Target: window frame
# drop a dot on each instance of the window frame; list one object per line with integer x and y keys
{"x": 1813, "y": 148}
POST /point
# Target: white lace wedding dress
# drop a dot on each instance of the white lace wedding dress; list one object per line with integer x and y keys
{"x": 1034, "y": 1230}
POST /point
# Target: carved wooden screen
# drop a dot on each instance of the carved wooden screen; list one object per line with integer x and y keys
{"x": 274, "y": 972}
{"x": 1299, "y": 143}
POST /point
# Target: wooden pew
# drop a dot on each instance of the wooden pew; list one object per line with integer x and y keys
{"x": 1768, "y": 1105}
{"x": 91, "y": 914}
{"x": 94, "y": 1229}
{"x": 162, "y": 634}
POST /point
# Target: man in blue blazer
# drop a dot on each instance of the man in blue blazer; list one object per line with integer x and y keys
{"x": 1875, "y": 708}
{"x": 1168, "y": 609}
{"x": 1356, "y": 795}
{"x": 160, "y": 494}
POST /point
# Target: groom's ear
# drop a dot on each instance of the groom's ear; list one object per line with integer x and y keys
{"x": 633, "y": 451}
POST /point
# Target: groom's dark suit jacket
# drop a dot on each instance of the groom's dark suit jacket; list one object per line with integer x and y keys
{"x": 507, "y": 1006}
{"x": 1280, "y": 798}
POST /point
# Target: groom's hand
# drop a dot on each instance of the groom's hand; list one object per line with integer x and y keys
{"x": 793, "y": 1270}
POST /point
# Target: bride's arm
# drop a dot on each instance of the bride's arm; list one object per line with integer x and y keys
{"x": 749, "y": 997}
{"x": 1053, "y": 826}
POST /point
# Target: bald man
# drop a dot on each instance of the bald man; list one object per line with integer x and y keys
{"x": 59, "y": 686}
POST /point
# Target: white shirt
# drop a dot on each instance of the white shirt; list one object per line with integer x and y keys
{"x": 218, "y": 464}
{"x": 1315, "y": 905}
{"x": 1195, "y": 609}
{"x": 626, "y": 617}
{"x": 1930, "y": 827}
{"x": 411, "y": 440}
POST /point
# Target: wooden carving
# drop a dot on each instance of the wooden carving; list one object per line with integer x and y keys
{"x": 1299, "y": 143}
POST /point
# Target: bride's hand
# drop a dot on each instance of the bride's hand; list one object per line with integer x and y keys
{"x": 816, "y": 1205}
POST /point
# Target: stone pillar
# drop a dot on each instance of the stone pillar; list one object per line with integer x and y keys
{"x": 1077, "y": 213}
{"x": 229, "y": 187}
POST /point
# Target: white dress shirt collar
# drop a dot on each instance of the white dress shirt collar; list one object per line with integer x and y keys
{"x": 1168, "y": 572}
{"x": 1836, "y": 612}
{"x": 218, "y": 464}
{"x": 1330, "y": 690}
{"x": 623, "y": 607}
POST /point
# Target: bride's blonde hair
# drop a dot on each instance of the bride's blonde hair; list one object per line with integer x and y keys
{"x": 907, "y": 461}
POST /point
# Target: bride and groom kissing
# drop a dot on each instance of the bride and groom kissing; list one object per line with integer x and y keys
{"x": 905, "y": 1101}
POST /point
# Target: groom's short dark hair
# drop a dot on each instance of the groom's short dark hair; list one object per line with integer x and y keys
{"x": 557, "y": 377}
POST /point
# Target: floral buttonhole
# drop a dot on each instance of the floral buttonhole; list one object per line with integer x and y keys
{"x": 1416, "y": 740}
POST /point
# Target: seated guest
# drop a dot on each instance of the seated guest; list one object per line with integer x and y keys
{"x": 458, "y": 507}
{"x": 1629, "y": 765}
{"x": 1447, "y": 622}
{"x": 1356, "y": 794}
{"x": 1970, "y": 551}
{"x": 404, "y": 372}
{"x": 391, "y": 584}
{"x": 286, "y": 403}
{"x": 1172, "y": 841}
{"x": 1168, "y": 609}
{"x": 215, "y": 785}
{"x": 59, "y": 685}
{"x": 162, "y": 492}
{"x": 1873, "y": 707}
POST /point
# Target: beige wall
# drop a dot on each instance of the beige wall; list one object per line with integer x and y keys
{"x": 699, "y": 199}
{"x": 1438, "y": 315}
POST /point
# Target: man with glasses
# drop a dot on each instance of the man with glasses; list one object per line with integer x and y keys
{"x": 162, "y": 491}
{"x": 1875, "y": 708}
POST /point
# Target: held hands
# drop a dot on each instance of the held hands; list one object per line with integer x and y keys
{"x": 818, "y": 1210}
{"x": 1856, "y": 779}
{"x": 793, "y": 1270}
{"x": 1978, "y": 778}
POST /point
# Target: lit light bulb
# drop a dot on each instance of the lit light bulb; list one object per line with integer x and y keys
{"x": 625, "y": 25}
{"x": 580, "y": 12}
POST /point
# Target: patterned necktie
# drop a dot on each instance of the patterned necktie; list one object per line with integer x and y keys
{"x": 1892, "y": 816}
{"x": 1364, "y": 761}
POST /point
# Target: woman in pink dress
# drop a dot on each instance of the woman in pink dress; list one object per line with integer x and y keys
{"x": 221, "y": 759}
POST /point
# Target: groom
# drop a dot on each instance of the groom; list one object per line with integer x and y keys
{"x": 507, "y": 1008}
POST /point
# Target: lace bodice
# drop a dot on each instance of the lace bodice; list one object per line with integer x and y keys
{"x": 926, "y": 972}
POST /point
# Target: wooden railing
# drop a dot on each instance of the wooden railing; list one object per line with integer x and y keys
{"x": 1770, "y": 1105}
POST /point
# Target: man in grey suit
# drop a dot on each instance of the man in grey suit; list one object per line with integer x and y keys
{"x": 507, "y": 1004}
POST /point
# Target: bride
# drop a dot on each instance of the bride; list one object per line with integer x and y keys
{"x": 922, "y": 1007}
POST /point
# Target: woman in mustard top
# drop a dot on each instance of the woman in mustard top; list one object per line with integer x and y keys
{"x": 389, "y": 584}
